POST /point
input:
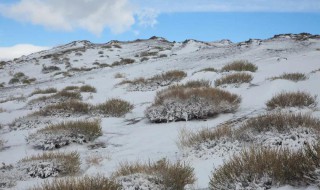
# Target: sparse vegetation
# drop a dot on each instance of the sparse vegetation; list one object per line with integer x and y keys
{"x": 88, "y": 88}
{"x": 180, "y": 103}
{"x": 292, "y": 99}
{"x": 240, "y": 65}
{"x": 44, "y": 91}
{"x": 148, "y": 53}
{"x": 50, "y": 69}
{"x": 295, "y": 77}
{"x": 62, "y": 108}
{"x": 197, "y": 84}
{"x": 123, "y": 62}
{"x": 236, "y": 78}
{"x": 264, "y": 168}
{"x": 114, "y": 107}
{"x": 208, "y": 69}
{"x": 119, "y": 75}
{"x": 70, "y": 88}
{"x": 84, "y": 183}
{"x": 170, "y": 175}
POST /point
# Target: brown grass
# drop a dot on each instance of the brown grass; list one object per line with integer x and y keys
{"x": 208, "y": 69}
{"x": 236, "y": 78}
{"x": 94, "y": 160}
{"x": 282, "y": 166}
{"x": 88, "y": 88}
{"x": 197, "y": 84}
{"x": 123, "y": 62}
{"x": 44, "y": 91}
{"x": 114, "y": 107}
{"x": 292, "y": 99}
{"x": 240, "y": 65}
{"x": 70, "y": 162}
{"x": 70, "y": 88}
{"x": 174, "y": 75}
{"x": 173, "y": 175}
{"x": 83, "y": 183}
{"x": 295, "y": 77}
{"x": 72, "y": 106}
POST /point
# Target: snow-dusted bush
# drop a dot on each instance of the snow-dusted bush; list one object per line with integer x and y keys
{"x": 8, "y": 176}
{"x": 295, "y": 77}
{"x": 292, "y": 99}
{"x": 240, "y": 65}
{"x": 236, "y": 78}
{"x": 181, "y": 103}
{"x": 161, "y": 174}
{"x": 263, "y": 168}
{"x": 114, "y": 107}
{"x": 51, "y": 164}
{"x": 70, "y": 88}
{"x": 50, "y": 69}
{"x": 63, "y": 134}
{"x": 65, "y": 108}
{"x": 61, "y": 96}
{"x": 88, "y": 88}
{"x": 44, "y": 91}
{"x": 83, "y": 183}
{"x": 197, "y": 84}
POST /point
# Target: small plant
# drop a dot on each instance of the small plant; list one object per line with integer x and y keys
{"x": 63, "y": 134}
{"x": 236, "y": 78}
{"x": 148, "y": 53}
{"x": 51, "y": 164}
{"x": 123, "y": 62}
{"x": 114, "y": 107}
{"x": 68, "y": 95}
{"x": 88, "y": 88}
{"x": 240, "y": 65}
{"x": 119, "y": 75}
{"x": 144, "y": 59}
{"x": 83, "y": 183}
{"x": 44, "y": 91}
{"x": 169, "y": 175}
{"x": 295, "y": 77}
{"x": 197, "y": 84}
{"x": 70, "y": 88}
{"x": 68, "y": 107}
{"x": 209, "y": 69}
{"x": 292, "y": 99}
{"x": 50, "y": 69}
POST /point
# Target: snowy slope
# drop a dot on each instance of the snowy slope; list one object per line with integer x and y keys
{"x": 83, "y": 62}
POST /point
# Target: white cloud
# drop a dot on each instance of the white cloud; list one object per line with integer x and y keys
{"x": 91, "y": 15}
{"x": 15, "y": 51}
{"x": 147, "y": 17}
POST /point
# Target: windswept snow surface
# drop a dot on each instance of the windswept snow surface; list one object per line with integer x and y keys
{"x": 133, "y": 137}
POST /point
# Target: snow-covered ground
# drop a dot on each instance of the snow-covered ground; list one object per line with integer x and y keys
{"x": 142, "y": 140}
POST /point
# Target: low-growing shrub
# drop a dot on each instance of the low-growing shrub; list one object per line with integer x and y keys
{"x": 240, "y": 65}
{"x": 19, "y": 75}
{"x": 292, "y": 99}
{"x": 69, "y": 88}
{"x": 144, "y": 59}
{"x": 119, "y": 75}
{"x": 62, "y": 108}
{"x": 148, "y": 53}
{"x": 83, "y": 183}
{"x": 208, "y": 69}
{"x": 263, "y": 168}
{"x": 68, "y": 95}
{"x": 44, "y": 91}
{"x": 236, "y": 78}
{"x": 123, "y": 62}
{"x": 50, "y": 69}
{"x": 88, "y": 88}
{"x": 65, "y": 133}
{"x": 168, "y": 175}
{"x": 295, "y": 77}
{"x": 180, "y": 103}
{"x": 114, "y": 107}
{"x": 197, "y": 84}
{"x": 51, "y": 164}
{"x": 14, "y": 81}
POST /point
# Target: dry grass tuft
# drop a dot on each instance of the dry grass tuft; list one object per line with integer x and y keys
{"x": 236, "y": 78}
{"x": 209, "y": 69}
{"x": 173, "y": 175}
{"x": 240, "y": 65}
{"x": 119, "y": 75}
{"x": 94, "y": 160}
{"x": 44, "y": 91}
{"x": 292, "y": 99}
{"x": 70, "y": 88}
{"x": 265, "y": 167}
{"x": 295, "y": 77}
{"x": 88, "y": 88}
{"x": 197, "y": 84}
{"x": 72, "y": 106}
{"x": 83, "y": 183}
{"x": 114, "y": 107}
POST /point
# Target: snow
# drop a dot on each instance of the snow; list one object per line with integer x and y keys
{"x": 133, "y": 137}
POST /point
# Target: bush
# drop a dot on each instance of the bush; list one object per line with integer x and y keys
{"x": 19, "y": 75}
{"x": 51, "y": 164}
{"x": 119, "y": 75}
{"x": 14, "y": 81}
{"x": 170, "y": 175}
{"x": 263, "y": 168}
{"x": 123, "y": 62}
{"x": 292, "y": 99}
{"x": 68, "y": 95}
{"x": 148, "y": 53}
{"x": 88, "y": 88}
{"x": 49, "y": 69}
{"x": 65, "y": 133}
{"x": 84, "y": 183}
{"x": 62, "y": 108}
{"x": 44, "y": 91}
{"x": 295, "y": 77}
{"x": 209, "y": 69}
{"x": 236, "y": 78}
{"x": 197, "y": 84}
{"x": 240, "y": 65}
{"x": 114, "y": 107}
{"x": 180, "y": 103}
{"x": 69, "y": 88}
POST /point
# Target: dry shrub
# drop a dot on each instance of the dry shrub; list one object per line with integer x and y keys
{"x": 180, "y": 103}
{"x": 49, "y": 69}
{"x": 240, "y": 65}
{"x": 174, "y": 75}
{"x": 264, "y": 167}
{"x": 119, "y": 75}
{"x": 197, "y": 84}
{"x": 295, "y": 77}
{"x": 292, "y": 99}
{"x": 44, "y": 91}
{"x": 72, "y": 107}
{"x": 88, "y": 88}
{"x": 172, "y": 175}
{"x": 114, "y": 107}
{"x": 69, "y": 88}
{"x": 83, "y": 183}
{"x": 68, "y": 95}
{"x": 123, "y": 62}
{"x": 67, "y": 163}
{"x": 236, "y": 78}
{"x": 148, "y": 53}
{"x": 208, "y": 69}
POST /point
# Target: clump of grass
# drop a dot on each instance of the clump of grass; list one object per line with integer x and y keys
{"x": 88, "y": 88}
{"x": 240, "y": 65}
{"x": 68, "y": 95}
{"x": 174, "y": 75}
{"x": 44, "y": 91}
{"x": 66, "y": 163}
{"x": 295, "y": 77}
{"x": 83, "y": 183}
{"x": 208, "y": 69}
{"x": 114, "y": 107}
{"x": 292, "y": 99}
{"x": 197, "y": 84}
{"x": 268, "y": 167}
{"x": 72, "y": 107}
{"x": 172, "y": 175}
{"x": 123, "y": 62}
{"x": 50, "y": 69}
{"x": 69, "y": 88}
{"x": 236, "y": 78}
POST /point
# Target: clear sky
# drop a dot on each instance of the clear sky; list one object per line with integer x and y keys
{"x": 47, "y": 23}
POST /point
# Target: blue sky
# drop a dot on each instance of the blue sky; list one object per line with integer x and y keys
{"x": 48, "y": 23}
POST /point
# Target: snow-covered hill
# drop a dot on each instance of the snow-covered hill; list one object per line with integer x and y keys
{"x": 133, "y": 137}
